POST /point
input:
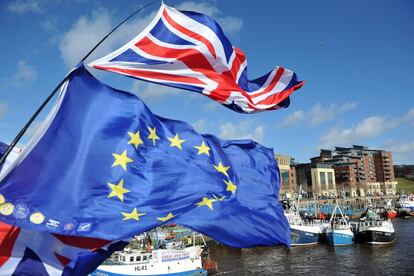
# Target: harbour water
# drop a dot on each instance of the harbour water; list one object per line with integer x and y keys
{"x": 357, "y": 259}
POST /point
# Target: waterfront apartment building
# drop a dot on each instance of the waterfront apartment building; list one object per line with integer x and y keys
{"x": 360, "y": 171}
{"x": 317, "y": 179}
{"x": 287, "y": 176}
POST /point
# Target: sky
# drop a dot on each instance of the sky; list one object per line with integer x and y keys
{"x": 357, "y": 58}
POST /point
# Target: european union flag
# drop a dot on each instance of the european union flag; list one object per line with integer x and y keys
{"x": 104, "y": 166}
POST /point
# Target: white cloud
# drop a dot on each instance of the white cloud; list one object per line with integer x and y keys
{"x": 229, "y": 24}
{"x": 204, "y": 8}
{"x": 89, "y": 30}
{"x": 320, "y": 114}
{"x": 200, "y": 125}
{"x": 347, "y": 106}
{"x": 151, "y": 92}
{"x": 243, "y": 130}
{"x": 25, "y": 74}
{"x": 367, "y": 128}
{"x": 50, "y": 25}
{"x": 24, "y": 6}
{"x": 3, "y": 109}
{"x": 409, "y": 117}
{"x": 292, "y": 118}
{"x": 211, "y": 106}
{"x": 402, "y": 152}
{"x": 85, "y": 33}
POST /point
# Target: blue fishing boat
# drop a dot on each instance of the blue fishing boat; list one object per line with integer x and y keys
{"x": 303, "y": 232}
{"x": 339, "y": 231}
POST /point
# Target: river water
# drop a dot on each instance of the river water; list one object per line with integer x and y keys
{"x": 358, "y": 259}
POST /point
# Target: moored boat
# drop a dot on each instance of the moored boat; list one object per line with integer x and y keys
{"x": 339, "y": 232}
{"x": 405, "y": 202}
{"x": 303, "y": 232}
{"x": 158, "y": 262}
{"x": 390, "y": 213}
{"x": 405, "y": 213}
{"x": 374, "y": 231}
{"x": 339, "y": 235}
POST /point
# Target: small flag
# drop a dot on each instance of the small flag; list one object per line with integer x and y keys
{"x": 189, "y": 50}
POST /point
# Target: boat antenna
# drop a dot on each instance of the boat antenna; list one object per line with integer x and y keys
{"x": 30, "y": 121}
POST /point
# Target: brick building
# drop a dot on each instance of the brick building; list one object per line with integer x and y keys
{"x": 360, "y": 171}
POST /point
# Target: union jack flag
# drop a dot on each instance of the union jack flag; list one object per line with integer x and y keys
{"x": 189, "y": 50}
{"x": 24, "y": 252}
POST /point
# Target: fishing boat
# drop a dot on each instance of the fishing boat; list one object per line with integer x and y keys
{"x": 182, "y": 262}
{"x": 303, "y": 232}
{"x": 405, "y": 213}
{"x": 305, "y": 228}
{"x": 406, "y": 202}
{"x": 161, "y": 251}
{"x": 389, "y": 211}
{"x": 374, "y": 231}
{"x": 339, "y": 232}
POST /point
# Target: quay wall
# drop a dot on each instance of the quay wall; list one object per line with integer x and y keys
{"x": 357, "y": 202}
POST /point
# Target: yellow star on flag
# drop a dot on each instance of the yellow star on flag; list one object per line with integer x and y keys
{"x": 121, "y": 160}
{"x": 118, "y": 190}
{"x": 153, "y": 135}
{"x": 230, "y": 186}
{"x": 222, "y": 169}
{"x": 168, "y": 217}
{"x": 206, "y": 202}
{"x": 133, "y": 215}
{"x": 176, "y": 141}
{"x": 135, "y": 139}
{"x": 203, "y": 148}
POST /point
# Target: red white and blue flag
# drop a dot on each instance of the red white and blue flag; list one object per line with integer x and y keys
{"x": 188, "y": 50}
{"x": 25, "y": 252}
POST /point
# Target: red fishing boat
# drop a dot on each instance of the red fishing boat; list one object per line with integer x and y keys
{"x": 390, "y": 213}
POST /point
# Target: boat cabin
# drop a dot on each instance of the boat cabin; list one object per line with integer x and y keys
{"x": 134, "y": 257}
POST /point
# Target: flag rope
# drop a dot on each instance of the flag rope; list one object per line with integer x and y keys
{"x": 30, "y": 121}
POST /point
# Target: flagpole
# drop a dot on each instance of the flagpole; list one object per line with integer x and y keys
{"x": 30, "y": 121}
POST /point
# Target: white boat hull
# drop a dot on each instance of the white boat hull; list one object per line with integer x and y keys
{"x": 162, "y": 262}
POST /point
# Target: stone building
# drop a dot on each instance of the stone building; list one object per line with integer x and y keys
{"x": 287, "y": 176}
{"x": 316, "y": 179}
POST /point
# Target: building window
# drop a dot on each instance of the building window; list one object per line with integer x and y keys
{"x": 285, "y": 178}
{"x": 323, "y": 182}
{"x": 330, "y": 181}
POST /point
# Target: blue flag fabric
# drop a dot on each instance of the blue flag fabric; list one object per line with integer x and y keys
{"x": 105, "y": 166}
